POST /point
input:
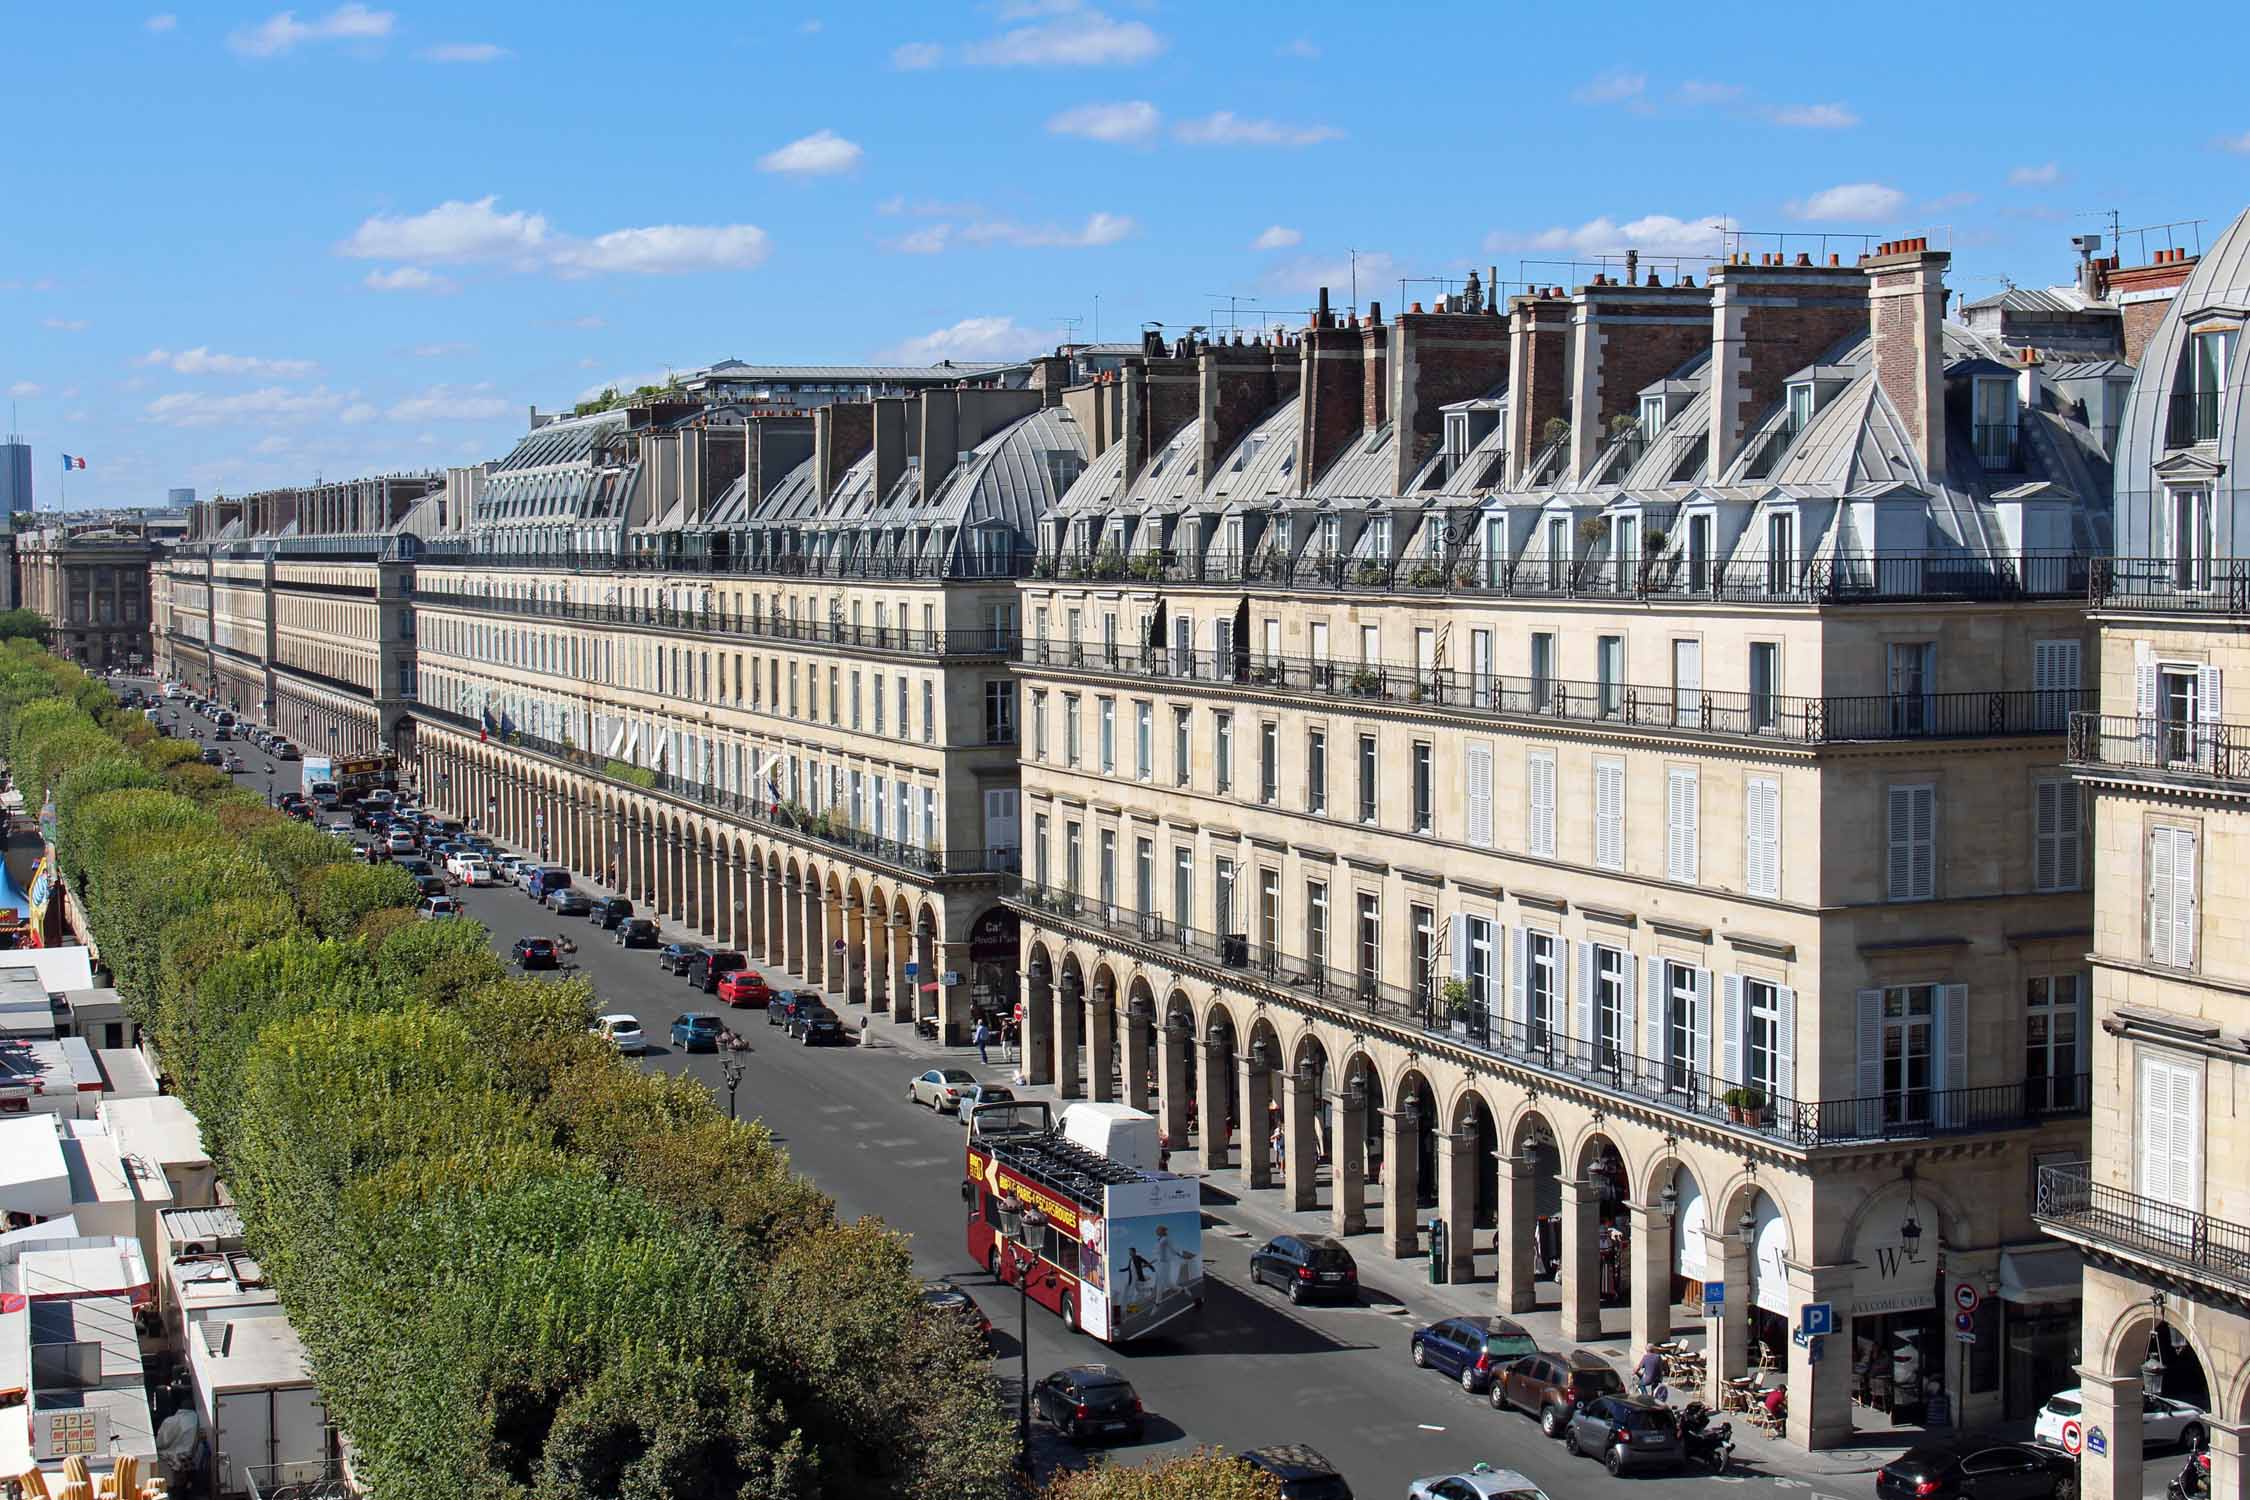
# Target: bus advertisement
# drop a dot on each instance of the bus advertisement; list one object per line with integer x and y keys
{"x": 1115, "y": 1252}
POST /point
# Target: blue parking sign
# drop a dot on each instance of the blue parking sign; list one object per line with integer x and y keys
{"x": 1819, "y": 1319}
{"x": 1714, "y": 1295}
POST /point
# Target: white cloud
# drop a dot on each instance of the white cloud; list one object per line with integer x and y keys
{"x": 440, "y": 351}
{"x": 466, "y": 52}
{"x": 1702, "y": 91}
{"x": 1132, "y": 120}
{"x": 2046, "y": 174}
{"x": 1659, "y": 234}
{"x": 1225, "y": 128}
{"x": 1813, "y": 116}
{"x": 1099, "y": 229}
{"x": 455, "y": 230}
{"x": 1075, "y": 39}
{"x": 26, "y": 390}
{"x": 68, "y": 393}
{"x": 283, "y": 32}
{"x": 273, "y": 443}
{"x": 357, "y": 413}
{"x": 1300, "y": 47}
{"x": 988, "y": 338}
{"x": 2239, "y": 144}
{"x": 930, "y": 239}
{"x": 272, "y": 403}
{"x": 65, "y": 325}
{"x": 451, "y": 403}
{"x": 406, "y": 279}
{"x": 1308, "y": 273}
{"x": 663, "y": 249}
{"x": 201, "y": 361}
{"x": 1851, "y": 202}
{"x": 815, "y": 155}
{"x": 1617, "y": 86}
{"x": 912, "y": 57}
{"x": 1278, "y": 237}
{"x": 161, "y": 22}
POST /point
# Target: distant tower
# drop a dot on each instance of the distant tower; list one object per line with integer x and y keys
{"x": 179, "y": 499}
{"x": 15, "y": 475}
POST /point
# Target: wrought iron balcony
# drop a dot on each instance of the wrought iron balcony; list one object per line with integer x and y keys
{"x": 2170, "y": 748}
{"x": 1544, "y": 1047}
{"x": 2190, "y": 584}
{"x": 2072, "y": 1206}
{"x": 1763, "y": 716}
{"x": 895, "y": 639}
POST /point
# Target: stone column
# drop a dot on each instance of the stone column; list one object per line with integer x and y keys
{"x": 1038, "y": 1015}
{"x": 1300, "y": 1166}
{"x": 906, "y": 1000}
{"x": 833, "y": 963}
{"x": 816, "y": 938}
{"x": 1101, "y": 1046}
{"x": 855, "y": 950}
{"x": 1140, "y": 1029}
{"x": 953, "y": 999}
{"x": 1457, "y": 1202}
{"x": 2229, "y": 1478}
{"x": 1347, "y": 1157}
{"x": 1402, "y": 1186}
{"x": 2112, "y": 1403}
{"x": 1211, "y": 1104}
{"x": 1651, "y": 1272}
{"x": 1517, "y": 1214}
{"x": 1070, "y": 1024}
{"x": 1820, "y": 1395}
{"x": 1172, "y": 1091}
{"x": 1256, "y": 1096}
{"x": 1726, "y": 1260}
{"x": 1581, "y": 1261}
{"x": 793, "y": 908}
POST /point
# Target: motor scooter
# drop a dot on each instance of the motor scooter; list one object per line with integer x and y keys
{"x": 1704, "y": 1441}
{"x": 2193, "y": 1479}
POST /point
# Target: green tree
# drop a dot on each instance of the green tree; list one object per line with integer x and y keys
{"x": 23, "y": 625}
{"x": 1205, "y": 1474}
{"x": 335, "y": 897}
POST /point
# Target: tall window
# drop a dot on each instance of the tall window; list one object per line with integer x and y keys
{"x": 1316, "y": 771}
{"x": 1367, "y": 783}
{"x": 1144, "y": 741}
{"x": 902, "y": 688}
{"x": 1687, "y": 683}
{"x": 855, "y": 703}
{"x": 1316, "y": 921}
{"x": 1909, "y": 1021}
{"x": 1072, "y": 839}
{"x": 1038, "y": 723}
{"x": 1609, "y": 814}
{"x": 2190, "y": 539}
{"x": 1222, "y": 896}
{"x": 1183, "y": 886}
{"x": 1425, "y": 791}
{"x": 1765, "y": 673}
{"x": 1542, "y": 670}
{"x": 1368, "y": 942}
{"x": 878, "y": 703}
{"x": 2208, "y": 356}
{"x": 1424, "y": 958}
{"x": 1912, "y": 869}
{"x": 1699, "y": 553}
{"x": 1542, "y": 986}
{"x": 1682, "y": 824}
{"x": 1761, "y": 1035}
{"x": 1222, "y": 747}
{"x": 1683, "y": 1024}
{"x": 929, "y": 711}
{"x": 2173, "y": 896}
{"x": 1106, "y": 869}
{"x": 1269, "y": 917}
{"x": 1611, "y": 975}
{"x": 1269, "y": 762}
{"x": 2057, "y": 809}
{"x": 1479, "y": 969}
{"x": 1182, "y": 758}
{"x": 2051, "y": 1041}
{"x": 1913, "y": 683}
{"x": 1539, "y": 776}
{"x": 999, "y": 712}
{"x": 1039, "y": 850}
{"x": 1070, "y": 725}
{"x": 1761, "y": 836}
{"x": 1609, "y": 665}
{"x": 1105, "y": 711}
{"x": 1476, "y": 764}
{"x": 1781, "y": 554}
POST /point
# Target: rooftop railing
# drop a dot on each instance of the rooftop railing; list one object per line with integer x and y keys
{"x": 1545, "y": 1047}
{"x": 969, "y": 567}
{"x": 2171, "y": 747}
{"x": 2189, "y": 584}
{"x": 726, "y": 622}
{"x": 1766, "y": 716}
{"x": 2072, "y": 1206}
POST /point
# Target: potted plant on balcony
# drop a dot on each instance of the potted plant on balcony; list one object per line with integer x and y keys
{"x": 1455, "y": 993}
{"x": 1109, "y": 563}
{"x": 1428, "y": 575}
{"x": 1753, "y": 1107}
{"x": 1367, "y": 682}
{"x": 1145, "y": 566}
{"x": 1732, "y": 1099}
{"x": 1042, "y": 567}
{"x": 1368, "y": 575}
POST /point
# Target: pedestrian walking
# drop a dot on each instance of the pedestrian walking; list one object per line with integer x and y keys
{"x": 1649, "y": 1373}
{"x": 1279, "y": 1145}
{"x": 982, "y": 1038}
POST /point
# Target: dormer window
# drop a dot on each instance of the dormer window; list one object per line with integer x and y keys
{"x": 1379, "y": 533}
{"x": 1652, "y": 416}
{"x": 1456, "y": 438}
{"x": 1624, "y": 545}
{"x": 1801, "y": 406}
{"x": 2195, "y": 414}
{"x": 1993, "y": 424}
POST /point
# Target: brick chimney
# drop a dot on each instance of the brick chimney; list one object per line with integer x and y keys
{"x": 1770, "y": 317}
{"x": 1626, "y": 337}
{"x": 955, "y": 421}
{"x": 1162, "y": 391}
{"x": 1906, "y": 313}
{"x": 1435, "y": 359}
{"x": 1374, "y": 359}
{"x": 1330, "y": 363}
{"x": 1538, "y": 373}
{"x": 896, "y": 441}
{"x": 1049, "y": 374}
{"x": 2143, "y": 293}
{"x": 1237, "y": 386}
{"x": 843, "y": 432}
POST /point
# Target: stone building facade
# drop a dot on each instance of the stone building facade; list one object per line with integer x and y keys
{"x": 91, "y": 584}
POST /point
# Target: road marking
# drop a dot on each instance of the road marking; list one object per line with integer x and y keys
{"x": 1429, "y": 1427}
{"x": 926, "y": 1161}
{"x": 893, "y": 1142}
{"x": 835, "y": 1109}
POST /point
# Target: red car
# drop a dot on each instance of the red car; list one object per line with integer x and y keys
{"x": 744, "y": 987}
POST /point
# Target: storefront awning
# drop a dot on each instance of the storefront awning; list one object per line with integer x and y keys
{"x": 2040, "y": 1277}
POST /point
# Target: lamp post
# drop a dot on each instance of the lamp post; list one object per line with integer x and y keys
{"x": 2152, "y": 1368}
{"x": 731, "y": 1071}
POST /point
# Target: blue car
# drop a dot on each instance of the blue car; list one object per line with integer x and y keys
{"x": 1472, "y": 1350}
{"x": 697, "y": 1031}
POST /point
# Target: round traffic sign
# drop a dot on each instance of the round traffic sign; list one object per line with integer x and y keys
{"x": 1966, "y": 1297}
{"x": 1965, "y": 1322}
{"x": 2072, "y": 1438}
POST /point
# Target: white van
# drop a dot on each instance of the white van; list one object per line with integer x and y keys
{"x": 1125, "y": 1135}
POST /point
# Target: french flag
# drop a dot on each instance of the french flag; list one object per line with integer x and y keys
{"x": 69, "y": 462}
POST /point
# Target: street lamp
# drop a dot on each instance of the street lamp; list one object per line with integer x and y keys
{"x": 731, "y": 1071}
{"x": 1033, "y": 1221}
{"x": 2152, "y": 1368}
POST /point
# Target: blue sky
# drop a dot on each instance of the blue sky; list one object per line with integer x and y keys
{"x": 243, "y": 246}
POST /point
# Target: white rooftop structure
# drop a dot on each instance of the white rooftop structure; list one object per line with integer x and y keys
{"x": 163, "y": 1133}
{"x": 34, "y": 1179}
{"x": 58, "y": 969}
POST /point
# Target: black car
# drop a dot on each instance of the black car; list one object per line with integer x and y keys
{"x": 1306, "y": 1266}
{"x": 1303, "y": 1473}
{"x": 416, "y": 867}
{"x": 534, "y": 953}
{"x": 570, "y": 903}
{"x": 2004, "y": 1471}
{"x": 213, "y": 757}
{"x": 674, "y": 958}
{"x": 1625, "y": 1432}
{"x": 1473, "y": 1350}
{"x": 819, "y": 1028}
{"x": 431, "y": 885}
{"x": 609, "y": 911}
{"x": 1086, "y": 1402}
{"x": 946, "y": 1297}
{"x": 707, "y": 968}
{"x": 784, "y": 1004}
{"x": 636, "y": 932}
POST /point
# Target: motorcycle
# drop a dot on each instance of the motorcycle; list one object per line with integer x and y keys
{"x": 2193, "y": 1479}
{"x": 1703, "y": 1441}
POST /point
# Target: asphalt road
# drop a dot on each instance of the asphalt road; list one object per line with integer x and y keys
{"x": 1253, "y": 1371}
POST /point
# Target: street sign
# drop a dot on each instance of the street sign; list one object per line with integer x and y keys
{"x": 1966, "y": 1297}
{"x": 1714, "y": 1296}
{"x": 838, "y": 945}
{"x": 2072, "y": 1438}
{"x": 1964, "y": 1322}
{"x": 1963, "y": 1336}
{"x": 1818, "y": 1319}
{"x": 950, "y": 978}
{"x": 2097, "y": 1441}
{"x": 912, "y": 968}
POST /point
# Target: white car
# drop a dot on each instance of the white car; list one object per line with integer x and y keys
{"x": 2163, "y": 1420}
{"x": 1483, "y": 1482}
{"x": 456, "y": 864}
{"x": 623, "y": 1031}
{"x": 941, "y": 1088}
{"x": 434, "y": 907}
{"x": 475, "y": 871}
{"x": 506, "y": 869}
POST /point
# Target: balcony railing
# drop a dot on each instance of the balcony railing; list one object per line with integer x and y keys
{"x": 1546, "y": 1048}
{"x": 969, "y": 567}
{"x": 1998, "y": 445}
{"x": 2194, "y": 418}
{"x": 2173, "y": 747}
{"x": 725, "y": 622}
{"x": 2189, "y": 584}
{"x": 804, "y": 827}
{"x": 1794, "y": 580}
{"x": 2075, "y": 1207}
{"x": 1768, "y": 716}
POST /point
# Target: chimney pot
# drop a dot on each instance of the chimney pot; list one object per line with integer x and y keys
{"x": 1687, "y": 281}
{"x": 1374, "y": 313}
{"x": 1654, "y": 280}
{"x": 1417, "y": 307}
{"x": 1803, "y": 259}
{"x": 1352, "y": 321}
{"x": 1835, "y": 259}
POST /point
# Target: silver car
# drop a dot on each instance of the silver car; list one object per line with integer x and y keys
{"x": 982, "y": 1093}
{"x": 940, "y": 1088}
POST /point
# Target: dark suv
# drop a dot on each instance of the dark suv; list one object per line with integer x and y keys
{"x": 609, "y": 911}
{"x": 707, "y": 968}
{"x": 1471, "y": 1350}
{"x": 1303, "y": 1473}
{"x": 1552, "y": 1386}
{"x": 674, "y": 958}
{"x": 636, "y": 932}
{"x": 1090, "y": 1401}
{"x": 1625, "y": 1432}
{"x": 1307, "y": 1266}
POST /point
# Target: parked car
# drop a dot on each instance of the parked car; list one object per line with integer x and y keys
{"x": 235, "y": 765}
{"x": 399, "y": 841}
{"x": 741, "y": 987}
{"x": 433, "y": 907}
{"x": 1303, "y": 1473}
{"x": 2005, "y": 1471}
{"x": 673, "y": 958}
{"x": 1483, "y": 1482}
{"x": 1085, "y": 1402}
{"x": 213, "y": 757}
{"x": 707, "y": 968}
{"x": 1552, "y": 1386}
{"x": 415, "y": 867}
{"x": 782, "y": 1003}
{"x": 431, "y": 885}
{"x": 475, "y": 871}
{"x": 946, "y": 1297}
{"x": 545, "y": 881}
{"x": 1625, "y": 1432}
{"x": 1306, "y": 1266}
{"x": 636, "y": 932}
{"x": 982, "y": 1093}
{"x": 940, "y": 1088}
{"x": 1473, "y": 1350}
{"x": 609, "y": 911}
{"x": 534, "y": 953}
{"x": 2163, "y": 1420}
{"x": 622, "y": 1031}
{"x": 569, "y": 903}
{"x": 283, "y": 750}
{"x": 505, "y": 867}
{"x": 696, "y": 1031}
{"x": 817, "y": 1026}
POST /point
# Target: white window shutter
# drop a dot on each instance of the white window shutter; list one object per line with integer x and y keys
{"x": 1953, "y": 1023}
{"x": 1730, "y": 1029}
{"x": 2207, "y": 694}
{"x": 1519, "y": 978}
{"x": 1924, "y": 864}
{"x": 1870, "y": 1043}
{"x": 2183, "y": 898}
{"x": 1583, "y": 1025}
{"x": 1691, "y": 827}
{"x": 1609, "y": 814}
{"x": 1459, "y": 941}
{"x": 1652, "y": 1015}
{"x": 2047, "y": 825}
{"x": 1700, "y": 1038}
{"x": 1477, "y": 763}
{"x": 2070, "y": 815}
{"x": 1900, "y": 823}
{"x": 1785, "y": 1046}
{"x": 1761, "y": 824}
{"x": 1630, "y": 970}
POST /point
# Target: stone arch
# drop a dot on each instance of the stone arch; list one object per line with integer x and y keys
{"x": 928, "y": 934}
{"x": 2136, "y": 1334}
{"x": 1471, "y": 1151}
{"x": 1037, "y": 1033}
{"x": 745, "y": 915}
